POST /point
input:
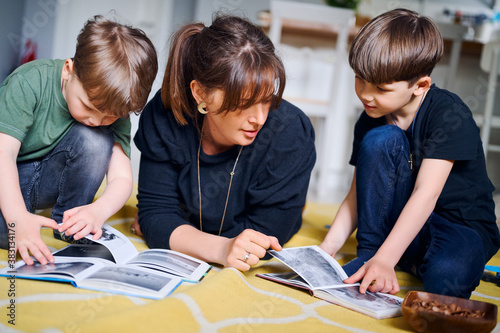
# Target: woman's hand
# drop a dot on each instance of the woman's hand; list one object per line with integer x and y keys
{"x": 240, "y": 252}
{"x": 377, "y": 276}
{"x": 246, "y": 249}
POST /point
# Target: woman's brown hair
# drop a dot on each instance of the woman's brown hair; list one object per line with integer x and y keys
{"x": 116, "y": 65}
{"x": 399, "y": 45}
{"x": 232, "y": 55}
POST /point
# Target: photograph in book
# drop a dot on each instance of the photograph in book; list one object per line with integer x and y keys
{"x": 291, "y": 278}
{"x": 379, "y": 304}
{"x": 316, "y": 267}
{"x": 113, "y": 264}
{"x": 320, "y": 274}
{"x": 117, "y": 248}
{"x": 69, "y": 268}
{"x": 100, "y": 275}
{"x": 131, "y": 276}
{"x": 86, "y": 250}
{"x": 117, "y": 243}
{"x": 173, "y": 262}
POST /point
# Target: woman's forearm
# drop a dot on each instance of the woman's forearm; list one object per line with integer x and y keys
{"x": 191, "y": 241}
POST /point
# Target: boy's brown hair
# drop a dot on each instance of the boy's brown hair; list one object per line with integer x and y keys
{"x": 232, "y": 55}
{"x": 116, "y": 65}
{"x": 399, "y": 45}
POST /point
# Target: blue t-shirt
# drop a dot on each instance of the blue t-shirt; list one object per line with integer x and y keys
{"x": 268, "y": 190}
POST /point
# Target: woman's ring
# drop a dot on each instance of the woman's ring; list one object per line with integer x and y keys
{"x": 247, "y": 255}
{"x": 132, "y": 229}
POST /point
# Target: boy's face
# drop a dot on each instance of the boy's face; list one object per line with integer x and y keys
{"x": 383, "y": 99}
{"x": 78, "y": 102}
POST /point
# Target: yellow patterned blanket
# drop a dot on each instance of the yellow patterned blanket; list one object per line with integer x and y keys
{"x": 225, "y": 301}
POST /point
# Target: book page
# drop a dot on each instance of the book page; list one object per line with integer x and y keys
{"x": 290, "y": 278}
{"x": 171, "y": 262}
{"x": 134, "y": 281}
{"x": 118, "y": 244}
{"x": 63, "y": 269}
{"x": 378, "y": 305}
{"x": 100, "y": 275}
{"x": 117, "y": 248}
{"x": 120, "y": 247}
{"x": 315, "y": 266}
{"x": 85, "y": 251}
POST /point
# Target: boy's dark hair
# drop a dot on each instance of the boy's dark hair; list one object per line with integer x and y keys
{"x": 116, "y": 65}
{"x": 232, "y": 55}
{"x": 399, "y": 45}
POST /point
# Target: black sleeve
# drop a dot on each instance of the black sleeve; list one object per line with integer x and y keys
{"x": 277, "y": 192}
{"x": 158, "y": 196}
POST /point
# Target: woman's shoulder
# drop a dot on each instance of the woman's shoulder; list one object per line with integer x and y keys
{"x": 288, "y": 133}
{"x": 284, "y": 147}
{"x": 288, "y": 120}
{"x": 155, "y": 110}
{"x": 286, "y": 111}
{"x": 159, "y": 134}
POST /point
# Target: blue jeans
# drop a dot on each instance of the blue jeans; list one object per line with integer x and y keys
{"x": 448, "y": 257}
{"x": 69, "y": 176}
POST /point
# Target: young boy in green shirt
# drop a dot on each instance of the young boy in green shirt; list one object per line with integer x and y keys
{"x": 64, "y": 125}
{"x": 420, "y": 196}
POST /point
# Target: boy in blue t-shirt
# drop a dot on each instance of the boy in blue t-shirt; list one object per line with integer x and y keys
{"x": 64, "y": 125}
{"x": 420, "y": 197}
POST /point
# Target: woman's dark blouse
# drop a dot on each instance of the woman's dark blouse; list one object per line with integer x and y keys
{"x": 268, "y": 190}
{"x": 445, "y": 129}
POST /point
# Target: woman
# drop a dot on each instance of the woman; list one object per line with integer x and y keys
{"x": 225, "y": 163}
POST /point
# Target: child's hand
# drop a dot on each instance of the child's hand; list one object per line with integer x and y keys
{"x": 377, "y": 276}
{"x": 81, "y": 221}
{"x": 28, "y": 239}
{"x": 246, "y": 249}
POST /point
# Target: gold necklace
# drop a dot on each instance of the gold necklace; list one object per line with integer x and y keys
{"x": 228, "y": 190}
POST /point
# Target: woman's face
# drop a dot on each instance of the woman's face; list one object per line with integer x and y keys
{"x": 227, "y": 129}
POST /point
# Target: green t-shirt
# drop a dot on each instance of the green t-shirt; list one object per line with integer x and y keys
{"x": 34, "y": 111}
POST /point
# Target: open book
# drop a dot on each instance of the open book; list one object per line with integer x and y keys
{"x": 112, "y": 264}
{"x": 316, "y": 271}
